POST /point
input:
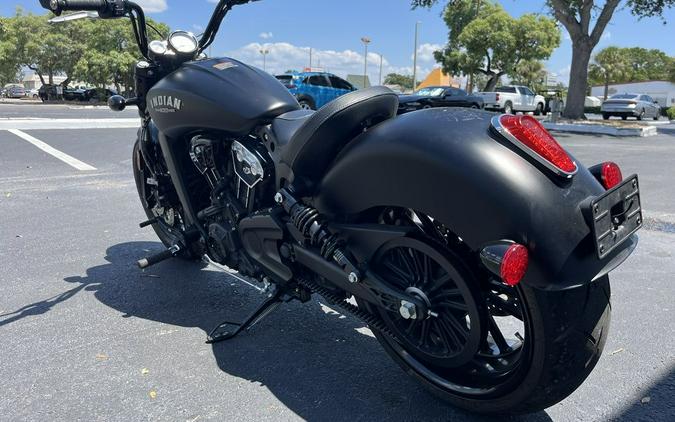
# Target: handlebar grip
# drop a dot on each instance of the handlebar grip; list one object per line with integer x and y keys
{"x": 58, "y": 6}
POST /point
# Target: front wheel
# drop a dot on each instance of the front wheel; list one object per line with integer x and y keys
{"x": 170, "y": 220}
{"x": 487, "y": 347}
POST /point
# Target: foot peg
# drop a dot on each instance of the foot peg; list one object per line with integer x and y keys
{"x": 227, "y": 330}
{"x": 157, "y": 258}
{"x": 149, "y": 222}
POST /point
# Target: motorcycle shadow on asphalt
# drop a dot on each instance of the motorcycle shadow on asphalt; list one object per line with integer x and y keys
{"x": 319, "y": 363}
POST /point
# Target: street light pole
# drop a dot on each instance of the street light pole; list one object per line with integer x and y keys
{"x": 365, "y": 41}
{"x": 417, "y": 24}
{"x": 381, "y": 69}
{"x": 264, "y": 53}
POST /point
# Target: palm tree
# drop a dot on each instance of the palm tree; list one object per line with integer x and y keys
{"x": 610, "y": 65}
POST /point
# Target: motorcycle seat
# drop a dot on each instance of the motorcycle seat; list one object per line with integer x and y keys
{"x": 306, "y": 142}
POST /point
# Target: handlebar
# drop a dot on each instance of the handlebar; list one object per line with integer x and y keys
{"x": 59, "y": 6}
{"x": 118, "y": 8}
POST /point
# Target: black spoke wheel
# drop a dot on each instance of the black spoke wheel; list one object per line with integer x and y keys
{"x": 450, "y": 334}
{"x": 535, "y": 346}
{"x": 170, "y": 220}
{"x": 462, "y": 345}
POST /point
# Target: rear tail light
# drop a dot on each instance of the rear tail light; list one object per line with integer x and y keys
{"x": 530, "y": 136}
{"x": 497, "y": 97}
{"x": 507, "y": 260}
{"x": 610, "y": 175}
{"x": 607, "y": 173}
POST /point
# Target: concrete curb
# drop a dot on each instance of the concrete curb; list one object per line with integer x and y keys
{"x": 601, "y": 129}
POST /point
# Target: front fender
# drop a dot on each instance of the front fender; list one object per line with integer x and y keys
{"x": 448, "y": 164}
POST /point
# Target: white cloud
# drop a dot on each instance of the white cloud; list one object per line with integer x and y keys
{"x": 266, "y": 35}
{"x": 284, "y": 56}
{"x": 153, "y": 6}
{"x": 425, "y": 52}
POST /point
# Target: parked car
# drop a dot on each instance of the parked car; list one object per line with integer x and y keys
{"x": 592, "y": 102}
{"x": 47, "y": 92}
{"x": 98, "y": 94}
{"x": 315, "y": 89}
{"x": 15, "y": 91}
{"x": 75, "y": 94}
{"x": 631, "y": 105}
{"x": 513, "y": 98}
{"x": 438, "y": 96}
{"x": 33, "y": 93}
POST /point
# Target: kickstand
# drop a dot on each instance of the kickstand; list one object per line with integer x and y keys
{"x": 221, "y": 332}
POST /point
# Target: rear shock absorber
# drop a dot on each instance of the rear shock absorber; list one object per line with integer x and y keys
{"x": 307, "y": 220}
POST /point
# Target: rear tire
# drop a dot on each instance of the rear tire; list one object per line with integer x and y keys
{"x": 539, "y": 110}
{"x": 606, "y": 116}
{"x": 565, "y": 335}
{"x": 306, "y": 103}
{"x": 508, "y": 108}
{"x": 641, "y": 115}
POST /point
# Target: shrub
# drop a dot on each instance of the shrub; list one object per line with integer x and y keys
{"x": 592, "y": 110}
{"x": 671, "y": 113}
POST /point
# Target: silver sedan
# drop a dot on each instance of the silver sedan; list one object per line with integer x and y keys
{"x": 631, "y": 105}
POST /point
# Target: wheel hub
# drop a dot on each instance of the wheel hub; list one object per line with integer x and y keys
{"x": 446, "y": 329}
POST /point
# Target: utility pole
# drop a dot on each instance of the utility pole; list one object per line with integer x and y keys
{"x": 310, "y": 59}
{"x": 381, "y": 69}
{"x": 417, "y": 25}
{"x": 264, "y": 53}
{"x": 365, "y": 41}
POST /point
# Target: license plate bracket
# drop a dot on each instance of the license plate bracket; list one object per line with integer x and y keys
{"x": 616, "y": 215}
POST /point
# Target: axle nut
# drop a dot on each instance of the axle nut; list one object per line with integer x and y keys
{"x": 279, "y": 198}
{"x": 353, "y": 278}
{"x": 408, "y": 310}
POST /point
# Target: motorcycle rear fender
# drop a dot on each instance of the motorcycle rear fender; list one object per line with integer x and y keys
{"x": 449, "y": 164}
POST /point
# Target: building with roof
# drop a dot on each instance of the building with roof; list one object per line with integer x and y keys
{"x": 438, "y": 78}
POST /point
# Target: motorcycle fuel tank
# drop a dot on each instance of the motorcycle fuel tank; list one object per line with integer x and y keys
{"x": 217, "y": 94}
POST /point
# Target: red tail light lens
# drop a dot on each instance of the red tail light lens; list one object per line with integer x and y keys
{"x": 529, "y": 132}
{"x": 514, "y": 264}
{"x": 497, "y": 97}
{"x": 610, "y": 175}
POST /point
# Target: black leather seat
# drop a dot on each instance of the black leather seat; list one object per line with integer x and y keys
{"x": 306, "y": 142}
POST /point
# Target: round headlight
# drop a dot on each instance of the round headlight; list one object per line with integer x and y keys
{"x": 157, "y": 47}
{"x": 183, "y": 42}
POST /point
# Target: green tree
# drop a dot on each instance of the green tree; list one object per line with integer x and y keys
{"x": 530, "y": 73}
{"x": 484, "y": 39}
{"x": 577, "y": 17}
{"x": 404, "y": 81}
{"x": 9, "y": 65}
{"x": 610, "y": 65}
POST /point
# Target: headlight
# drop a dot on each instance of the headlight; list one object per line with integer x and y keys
{"x": 183, "y": 42}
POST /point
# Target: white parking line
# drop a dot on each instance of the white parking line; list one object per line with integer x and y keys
{"x": 71, "y": 161}
{"x": 32, "y": 124}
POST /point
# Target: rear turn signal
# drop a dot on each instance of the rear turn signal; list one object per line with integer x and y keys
{"x": 507, "y": 260}
{"x": 529, "y": 135}
{"x": 610, "y": 175}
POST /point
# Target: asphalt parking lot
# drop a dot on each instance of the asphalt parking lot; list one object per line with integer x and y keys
{"x": 85, "y": 335}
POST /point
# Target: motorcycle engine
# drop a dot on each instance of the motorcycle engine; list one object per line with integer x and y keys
{"x": 239, "y": 173}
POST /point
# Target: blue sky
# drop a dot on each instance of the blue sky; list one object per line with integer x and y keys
{"x": 333, "y": 30}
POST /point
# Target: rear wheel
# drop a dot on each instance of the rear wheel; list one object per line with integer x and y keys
{"x": 539, "y": 110}
{"x": 641, "y": 115}
{"x": 508, "y": 108}
{"x": 484, "y": 346}
{"x": 306, "y": 103}
{"x": 606, "y": 116}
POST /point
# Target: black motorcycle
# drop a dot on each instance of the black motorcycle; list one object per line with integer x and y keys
{"x": 472, "y": 244}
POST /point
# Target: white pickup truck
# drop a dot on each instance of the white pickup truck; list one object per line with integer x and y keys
{"x": 512, "y": 98}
